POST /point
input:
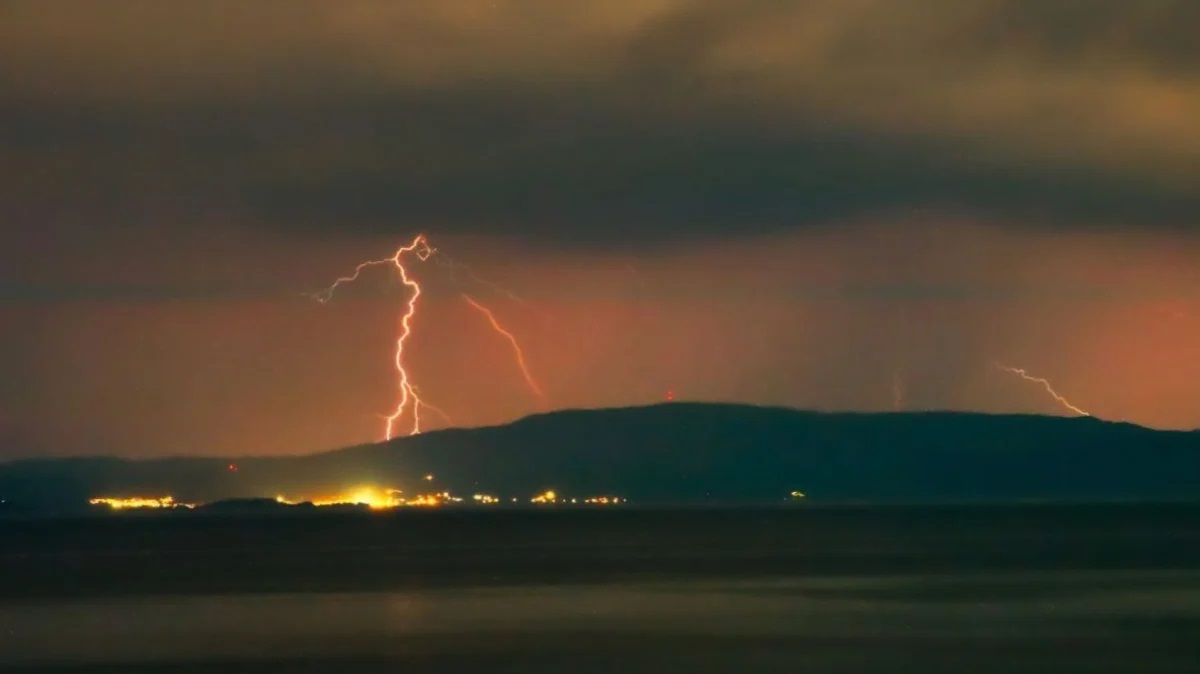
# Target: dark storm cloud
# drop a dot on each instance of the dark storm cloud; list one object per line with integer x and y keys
{"x": 596, "y": 178}
{"x": 1156, "y": 34}
{"x": 654, "y": 121}
{"x": 22, "y": 294}
{"x": 551, "y": 170}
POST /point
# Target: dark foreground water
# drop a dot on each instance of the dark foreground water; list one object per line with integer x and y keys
{"x": 1113, "y": 589}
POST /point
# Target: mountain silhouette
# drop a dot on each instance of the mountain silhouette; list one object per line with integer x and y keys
{"x": 682, "y": 453}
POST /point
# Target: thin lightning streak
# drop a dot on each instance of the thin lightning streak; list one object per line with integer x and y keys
{"x": 408, "y": 391}
{"x": 1045, "y": 384}
{"x": 433, "y": 408}
{"x": 533, "y": 385}
{"x": 454, "y": 267}
{"x": 897, "y": 392}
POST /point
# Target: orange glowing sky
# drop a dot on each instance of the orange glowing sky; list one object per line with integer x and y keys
{"x": 781, "y": 203}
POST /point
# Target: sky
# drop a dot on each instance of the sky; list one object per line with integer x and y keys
{"x": 837, "y": 204}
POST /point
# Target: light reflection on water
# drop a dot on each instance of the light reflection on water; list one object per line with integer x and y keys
{"x": 1024, "y": 606}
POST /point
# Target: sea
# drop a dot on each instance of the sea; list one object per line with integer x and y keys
{"x": 967, "y": 588}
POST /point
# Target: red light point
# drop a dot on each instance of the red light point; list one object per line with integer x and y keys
{"x": 233, "y": 468}
{"x": 670, "y": 395}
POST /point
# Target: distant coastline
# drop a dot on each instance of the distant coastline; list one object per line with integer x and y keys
{"x": 679, "y": 454}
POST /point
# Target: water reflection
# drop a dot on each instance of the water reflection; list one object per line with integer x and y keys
{"x": 1116, "y": 608}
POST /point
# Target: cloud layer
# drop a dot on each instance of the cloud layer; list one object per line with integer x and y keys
{"x": 566, "y": 123}
{"x": 810, "y": 203}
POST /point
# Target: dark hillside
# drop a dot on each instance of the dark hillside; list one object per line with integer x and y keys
{"x": 690, "y": 453}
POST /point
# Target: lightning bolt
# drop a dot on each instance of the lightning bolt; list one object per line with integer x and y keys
{"x": 454, "y": 267}
{"x": 533, "y": 385}
{"x": 897, "y": 392}
{"x": 1045, "y": 384}
{"x": 409, "y": 399}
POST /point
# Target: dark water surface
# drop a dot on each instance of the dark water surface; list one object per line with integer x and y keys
{"x": 1017, "y": 589}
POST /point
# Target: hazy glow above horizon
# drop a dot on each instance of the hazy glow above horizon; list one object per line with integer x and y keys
{"x": 831, "y": 206}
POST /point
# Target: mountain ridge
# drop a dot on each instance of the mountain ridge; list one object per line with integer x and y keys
{"x": 686, "y": 452}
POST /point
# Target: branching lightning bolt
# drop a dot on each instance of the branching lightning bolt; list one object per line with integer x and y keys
{"x": 409, "y": 397}
{"x": 1046, "y": 385}
{"x": 533, "y": 385}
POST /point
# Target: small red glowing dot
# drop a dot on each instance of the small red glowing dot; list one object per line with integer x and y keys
{"x": 233, "y": 468}
{"x": 670, "y": 395}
